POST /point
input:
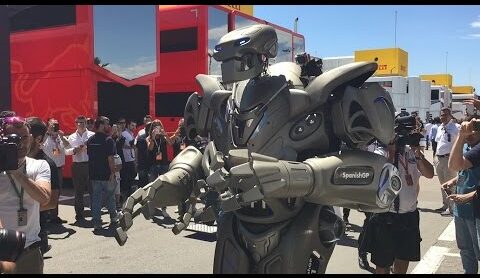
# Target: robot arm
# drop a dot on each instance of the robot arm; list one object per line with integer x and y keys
{"x": 354, "y": 179}
{"x": 171, "y": 188}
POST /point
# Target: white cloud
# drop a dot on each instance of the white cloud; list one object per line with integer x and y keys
{"x": 471, "y": 37}
{"x": 476, "y": 24}
{"x": 133, "y": 71}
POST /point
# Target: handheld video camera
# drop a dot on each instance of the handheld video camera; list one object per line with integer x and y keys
{"x": 404, "y": 135}
{"x": 56, "y": 127}
{"x": 11, "y": 244}
{"x": 8, "y": 149}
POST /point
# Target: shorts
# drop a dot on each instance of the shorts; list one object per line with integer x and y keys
{"x": 397, "y": 236}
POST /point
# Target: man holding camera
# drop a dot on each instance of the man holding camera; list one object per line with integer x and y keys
{"x": 80, "y": 177}
{"x": 462, "y": 190}
{"x": 446, "y": 134}
{"x": 128, "y": 173}
{"x": 394, "y": 236}
{"x": 22, "y": 191}
{"x": 54, "y": 147}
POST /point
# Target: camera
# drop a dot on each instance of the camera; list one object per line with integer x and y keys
{"x": 11, "y": 244}
{"x": 56, "y": 127}
{"x": 8, "y": 150}
{"x": 404, "y": 125}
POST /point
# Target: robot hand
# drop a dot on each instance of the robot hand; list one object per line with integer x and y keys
{"x": 171, "y": 188}
{"x": 354, "y": 179}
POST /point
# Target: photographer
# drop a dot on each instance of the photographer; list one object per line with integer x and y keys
{"x": 22, "y": 192}
{"x": 54, "y": 147}
{"x": 394, "y": 236}
{"x": 464, "y": 188}
{"x": 128, "y": 172}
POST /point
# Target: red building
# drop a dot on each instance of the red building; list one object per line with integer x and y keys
{"x": 119, "y": 61}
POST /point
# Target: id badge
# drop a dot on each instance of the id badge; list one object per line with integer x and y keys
{"x": 22, "y": 217}
{"x": 159, "y": 156}
{"x": 409, "y": 179}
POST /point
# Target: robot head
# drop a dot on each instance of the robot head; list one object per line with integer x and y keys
{"x": 244, "y": 52}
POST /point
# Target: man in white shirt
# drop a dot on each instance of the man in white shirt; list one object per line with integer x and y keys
{"x": 22, "y": 192}
{"x": 396, "y": 234}
{"x": 128, "y": 173}
{"x": 54, "y": 147}
{"x": 78, "y": 150}
{"x": 447, "y": 132}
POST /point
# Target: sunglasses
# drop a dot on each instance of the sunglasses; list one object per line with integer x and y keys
{"x": 81, "y": 122}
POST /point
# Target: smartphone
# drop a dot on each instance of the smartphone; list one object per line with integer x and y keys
{"x": 56, "y": 127}
{"x": 448, "y": 191}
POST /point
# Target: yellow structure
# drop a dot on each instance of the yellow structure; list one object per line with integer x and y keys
{"x": 438, "y": 79}
{"x": 391, "y": 61}
{"x": 246, "y": 9}
{"x": 462, "y": 89}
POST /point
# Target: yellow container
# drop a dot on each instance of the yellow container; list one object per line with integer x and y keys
{"x": 391, "y": 61}
{"x": 246, "y": 9}
{"x": 438, "y": 79}
{"x": 462, "y": 89}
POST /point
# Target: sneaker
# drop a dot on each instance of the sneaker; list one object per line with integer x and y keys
{"x": 363, "y": 261}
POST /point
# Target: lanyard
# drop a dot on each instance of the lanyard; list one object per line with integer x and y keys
{"x": 19, "y": 194}
{"x": 404, "y": 163}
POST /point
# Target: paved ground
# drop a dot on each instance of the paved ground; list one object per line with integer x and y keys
{"x": 153, "y": 248}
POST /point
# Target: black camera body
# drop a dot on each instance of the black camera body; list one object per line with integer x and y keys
{"x": 403, "y": 131}
{"x": 9, "y": 152}
{"x": 12, "y": 244}
{"x": 56, "y": 127}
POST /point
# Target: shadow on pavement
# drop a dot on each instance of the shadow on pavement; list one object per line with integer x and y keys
{"x": 428, "y": 210}
{"x": 210, "y": 237}
{"x": 348, "y": 240}
{"x": 59, "y": 230}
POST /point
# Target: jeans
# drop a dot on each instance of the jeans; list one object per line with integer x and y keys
{"x": 467, "y": 242}
{"x": 155, "y": 171}
{"x": 99, "y": 187}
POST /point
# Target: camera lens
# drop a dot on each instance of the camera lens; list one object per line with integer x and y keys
{"x": 11, "y": 244}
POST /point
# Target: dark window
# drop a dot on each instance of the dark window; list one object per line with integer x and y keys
{"x": 116, "y": 100}
{"x": 435, "y": 94}
{"x": 178, "y": 40}
{"x": 24, "y": 18}
{"x": 171, "y": 104}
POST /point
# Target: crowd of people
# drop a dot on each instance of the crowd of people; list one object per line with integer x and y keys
{"x": 111, "y": 160}
{"x": 106, "y": 161}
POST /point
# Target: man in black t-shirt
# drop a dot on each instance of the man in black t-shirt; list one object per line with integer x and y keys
{"x": 100, "y": 150}
{"x": 38, "y": 129}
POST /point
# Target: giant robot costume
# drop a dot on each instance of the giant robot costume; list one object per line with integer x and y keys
{"x": 274, "y": 158}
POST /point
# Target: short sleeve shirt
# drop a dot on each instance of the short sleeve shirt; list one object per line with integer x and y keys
{"x": 99, "y": 148}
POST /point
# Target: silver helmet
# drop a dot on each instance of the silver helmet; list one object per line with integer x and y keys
{"x": 244, "y": 52}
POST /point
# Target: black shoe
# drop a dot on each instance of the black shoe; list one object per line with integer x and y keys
{"x": 58, "y": 220}
{"x": 45, "y": 249}
{"x": 79, "y": 217}
{"x": 363, "y": 262}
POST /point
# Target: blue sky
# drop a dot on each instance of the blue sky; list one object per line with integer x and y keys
{"x": 427, "y": 33}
